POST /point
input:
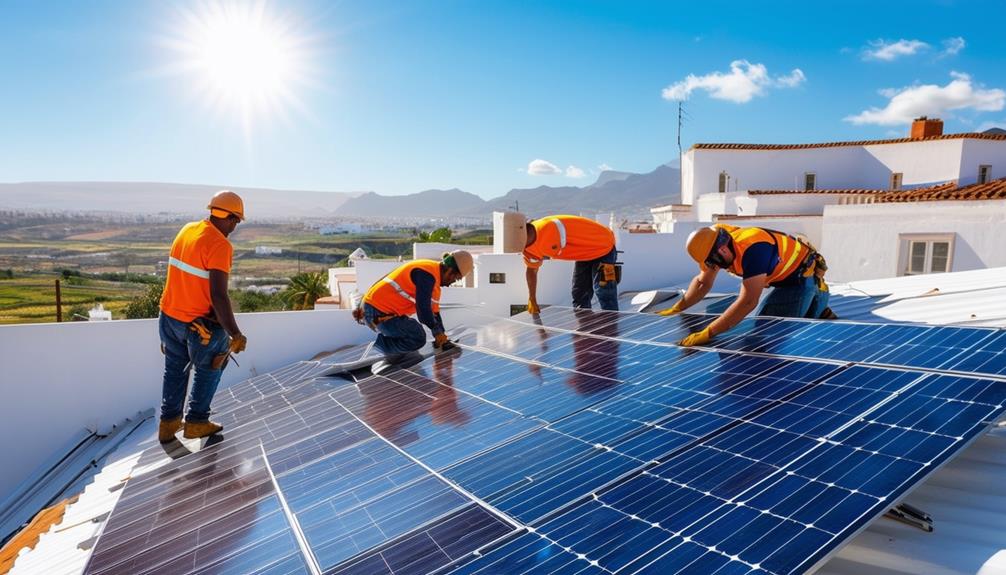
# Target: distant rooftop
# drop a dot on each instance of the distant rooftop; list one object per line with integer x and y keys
{"x": 966, "y": 135}
{"x": 994, "y": 190}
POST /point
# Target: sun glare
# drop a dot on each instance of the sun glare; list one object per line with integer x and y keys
{"x": 242, "y": 59}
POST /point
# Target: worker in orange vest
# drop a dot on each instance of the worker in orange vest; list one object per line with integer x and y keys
{"x": 411, "y": 288}
{"x": 197, "y": 324}
{"x": 761, "y": 258}
{"x": 590, "y": 244}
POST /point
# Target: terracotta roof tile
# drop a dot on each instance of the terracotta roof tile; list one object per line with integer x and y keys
{"x": 994, "y": 190}
{"x": 719, "y": 217}
{"x": 781, "y": 192}
{"x": 969, "y": 135}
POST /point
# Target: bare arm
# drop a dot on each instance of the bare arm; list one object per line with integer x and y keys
{"x": 222, "y": 302}
{"x": 532, "y": 284}
{"x": 698, "y": 288}
{"x": 745, "y": 303}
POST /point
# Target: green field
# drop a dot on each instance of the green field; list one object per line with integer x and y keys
{"x": 37, "y": 249}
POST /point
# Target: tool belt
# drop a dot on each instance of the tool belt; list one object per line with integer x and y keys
{"x": 380, "y": 319}
{"x": 204, "y": 326}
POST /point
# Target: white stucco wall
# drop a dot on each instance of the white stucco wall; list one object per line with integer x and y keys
{"x": 863, "y": 241}
{"x": 978, "y": 152}
{"x": 788, "y": 204}
{"x": 870, "y": 167}
{"x": 58, "y": 378}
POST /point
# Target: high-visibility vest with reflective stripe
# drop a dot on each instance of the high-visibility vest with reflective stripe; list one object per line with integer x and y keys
{"x": 198, "y": 248}
{"x": 792, "y": 252}
{"x": 396, "y": 294}
{"x": 568, "y": 238}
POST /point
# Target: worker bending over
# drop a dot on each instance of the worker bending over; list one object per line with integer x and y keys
{"x": 197, "y": 324}
{"x": 590, "y": 244}
{"x": 761, "y": 258}
{"x": 412, "y": 288}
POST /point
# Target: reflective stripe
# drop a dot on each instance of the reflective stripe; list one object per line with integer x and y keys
{"x": 784, "y": 244}
{"x": 399, "y": 289}
{"x": 199, "y": 273}
{"x": 534, "y": 260}
{"x": 562, "y": 233}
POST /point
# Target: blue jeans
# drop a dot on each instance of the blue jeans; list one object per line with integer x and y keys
{"x": 587, "y": 277}
{"x": 801, "y": 300}
{"x": 399, "y": 334}
{"x": 182, "y": 352}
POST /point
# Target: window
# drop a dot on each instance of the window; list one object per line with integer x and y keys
{"x": 724, "y": 182}
{"x": 497, "y": 278}
{"x": 809, "y": 182}
{"x": 896, "y": 180}
{"x": 926, "y": 254}
{"x": 984, "y": 173}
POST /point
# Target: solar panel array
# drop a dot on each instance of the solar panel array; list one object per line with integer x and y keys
{"x": 577, "y": 442}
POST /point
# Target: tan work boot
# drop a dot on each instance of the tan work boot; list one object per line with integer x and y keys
{"x": 194, "y": 430}
{"x": 168, "y": 428}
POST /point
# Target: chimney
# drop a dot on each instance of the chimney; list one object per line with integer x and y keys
{"x": 924, "y": 127}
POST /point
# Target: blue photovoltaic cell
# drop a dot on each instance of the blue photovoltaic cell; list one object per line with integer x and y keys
{"x": 576, "y": 443}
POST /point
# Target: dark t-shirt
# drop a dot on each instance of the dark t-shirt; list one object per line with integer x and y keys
{"x": 762, "y": 258}
{"x": 424, "y": 283}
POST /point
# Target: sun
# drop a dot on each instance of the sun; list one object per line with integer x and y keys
{"x": 242, "y": 59}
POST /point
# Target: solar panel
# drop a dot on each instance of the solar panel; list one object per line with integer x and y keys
{"x": 578, "y": 442}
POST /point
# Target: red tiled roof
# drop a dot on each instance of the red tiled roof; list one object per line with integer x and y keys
{"x": 781, "y": 192}
{"x": 968, "y": 135}
{"x": 719, "y": 217}
{"x": 994, "y": 190}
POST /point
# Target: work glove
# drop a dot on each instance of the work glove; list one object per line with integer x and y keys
{"x": 238, "y": 343}
{"x": 358, "y": 315}
{"x": 697, "y": 338}
{"x": 672, "y": 310}
{"x": 441, "y": 342}
{"x": 532, "y": 307}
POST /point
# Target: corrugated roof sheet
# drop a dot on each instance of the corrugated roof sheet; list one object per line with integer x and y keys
{"x": 727, "y": 146}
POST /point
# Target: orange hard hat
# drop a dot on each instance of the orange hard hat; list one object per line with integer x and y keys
{"x": 225, "y": 203}
{"x": 700, "y": 244}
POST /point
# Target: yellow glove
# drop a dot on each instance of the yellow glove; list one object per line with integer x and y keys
{"x": 671, "y": 311}
{"x": 532, "y": 307}
{"x": 238, "y": 343}
{"x": 697, "y": 338}
{"x": 441, "y": 341}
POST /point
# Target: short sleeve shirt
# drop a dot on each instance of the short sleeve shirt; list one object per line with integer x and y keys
{"x": 198, "y": 248}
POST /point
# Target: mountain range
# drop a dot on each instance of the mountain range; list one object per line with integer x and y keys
{"x": 628, "y": 194}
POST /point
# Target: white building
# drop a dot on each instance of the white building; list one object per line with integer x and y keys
{"x": 923, "y": 204}
{"x": 268, "y": 251}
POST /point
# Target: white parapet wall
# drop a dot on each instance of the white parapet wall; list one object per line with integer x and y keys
{"x": 59, "y": 378}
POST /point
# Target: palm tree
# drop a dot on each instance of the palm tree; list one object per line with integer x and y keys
{"x": 305, "y": 288}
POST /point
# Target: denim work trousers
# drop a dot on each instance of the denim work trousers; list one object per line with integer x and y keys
{"x": 182, "y": 352}
{"x": 801, "y": 300}
{"x": 399, "y": 334}
{"x": 587, "y": 277}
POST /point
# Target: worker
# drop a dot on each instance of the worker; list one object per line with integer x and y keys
{"x": 590, "y": 244}
{"x": 411, "y": 288}
{"x": 761, "y": 258}
{"x": 197, "y": 326}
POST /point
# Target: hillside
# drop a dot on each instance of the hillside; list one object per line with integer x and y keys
{"x": 425, "y": 203}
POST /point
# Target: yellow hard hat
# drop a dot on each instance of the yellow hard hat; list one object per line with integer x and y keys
{"x": 225, "y": 203}
{"x": 463, "y": 260}
{"x": 700, "y": 244}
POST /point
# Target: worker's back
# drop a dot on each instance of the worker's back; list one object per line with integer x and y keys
{"x": 198, "y": 248}
{"x": 566, "y": 237}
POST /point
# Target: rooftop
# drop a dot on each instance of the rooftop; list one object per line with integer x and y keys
{"x": 994, "y": 190}
{"x": 963, "y": 136}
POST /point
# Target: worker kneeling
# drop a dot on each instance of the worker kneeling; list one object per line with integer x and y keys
{"x": 761, "y": 257}
{"x": 412, "y": 288}
{"x": 590, "y": 244}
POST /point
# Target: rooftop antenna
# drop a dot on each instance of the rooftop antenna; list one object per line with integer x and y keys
{"x": 516, "y": 206}
{"x": 682, "y": 116}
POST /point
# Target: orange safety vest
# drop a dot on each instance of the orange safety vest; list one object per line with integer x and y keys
{"x": 792, "y": 252}
{"x": 396, "y": 294}
{"x": 198, "y": 248}
{"x": 568, "y": 238}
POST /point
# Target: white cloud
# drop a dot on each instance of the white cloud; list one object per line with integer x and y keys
{"x": 888, "y": 51}
{"x": 951, "y": 46}
{"x": 743, "y": 82}
{"x": 541, "y": 167}
{"x": 574, "y": 172}
{"x": 931, "y": 100}
{"x": 605, "y": 167}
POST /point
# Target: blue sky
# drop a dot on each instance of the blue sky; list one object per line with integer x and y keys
{"x": 484, "y": 95}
